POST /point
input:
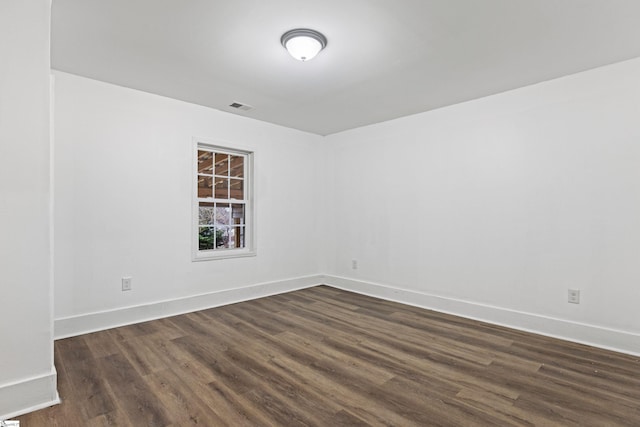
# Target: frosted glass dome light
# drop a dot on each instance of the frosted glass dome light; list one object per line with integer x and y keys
{"x": 303, "y": 44}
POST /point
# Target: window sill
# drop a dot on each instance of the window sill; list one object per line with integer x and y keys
{"x": 222, "y": 254}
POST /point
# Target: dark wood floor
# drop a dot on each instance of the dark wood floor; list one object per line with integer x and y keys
{"x": 325, "y": 357}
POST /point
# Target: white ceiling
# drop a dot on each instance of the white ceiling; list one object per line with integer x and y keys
{"x": 385, "y": 58}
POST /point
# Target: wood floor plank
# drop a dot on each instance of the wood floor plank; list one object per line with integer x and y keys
{"x": 326, "y": 357}
{"x": 179, "y": 400}
{"x": 135, "y": 397}
{"x": 85, "y": 381}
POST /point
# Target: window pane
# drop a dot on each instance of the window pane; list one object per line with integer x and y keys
{"x": 236, "y": 237}
{"x": 205, "y": 162}
{"x": 205, "y": 186}
{"x": 206, "y": 238}
{"x": 206, "y": 213}
{"x": 222, "y": 237}
{"x": 222, "y": 164}
{"x": 237, "y": 214}
{"x": 237, "y": 189}
{"x": 223, "y": 213}
{"x": 222, "y": 188}
{"x": 237, "y": 167}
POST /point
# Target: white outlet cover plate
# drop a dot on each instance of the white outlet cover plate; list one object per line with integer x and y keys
{"x": 574, "y": 296}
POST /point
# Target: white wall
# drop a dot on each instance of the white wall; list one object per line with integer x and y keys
{"x": 502, "y": 203}
{"x": 27, "y": 375}
{"x": 123, "y": 192}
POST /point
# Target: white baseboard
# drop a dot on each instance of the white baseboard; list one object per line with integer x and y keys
{"x": 28, "y": 395}
{"x": 597, "y": 336}
{"x": 92, "y": 322}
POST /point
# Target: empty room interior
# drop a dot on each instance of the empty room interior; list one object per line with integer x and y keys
{"x": 296, "y": 213}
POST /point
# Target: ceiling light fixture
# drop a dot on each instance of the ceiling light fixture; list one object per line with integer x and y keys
{"x": 303, "y": 44}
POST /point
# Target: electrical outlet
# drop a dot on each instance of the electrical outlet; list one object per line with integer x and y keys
{"x": 354, "y": 264}
{"x": 126, "y": 283}
{"x": 574, "y": 296}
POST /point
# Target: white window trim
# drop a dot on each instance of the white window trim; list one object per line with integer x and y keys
{"x": 250, "y": 249}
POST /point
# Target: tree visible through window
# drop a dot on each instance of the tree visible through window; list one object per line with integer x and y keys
{"x": 222, "y": 199}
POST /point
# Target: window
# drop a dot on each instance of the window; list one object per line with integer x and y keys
{"x": 222, "y": 203}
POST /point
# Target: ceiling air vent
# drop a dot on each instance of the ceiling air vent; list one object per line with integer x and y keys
{"x": 242, "y": 107}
